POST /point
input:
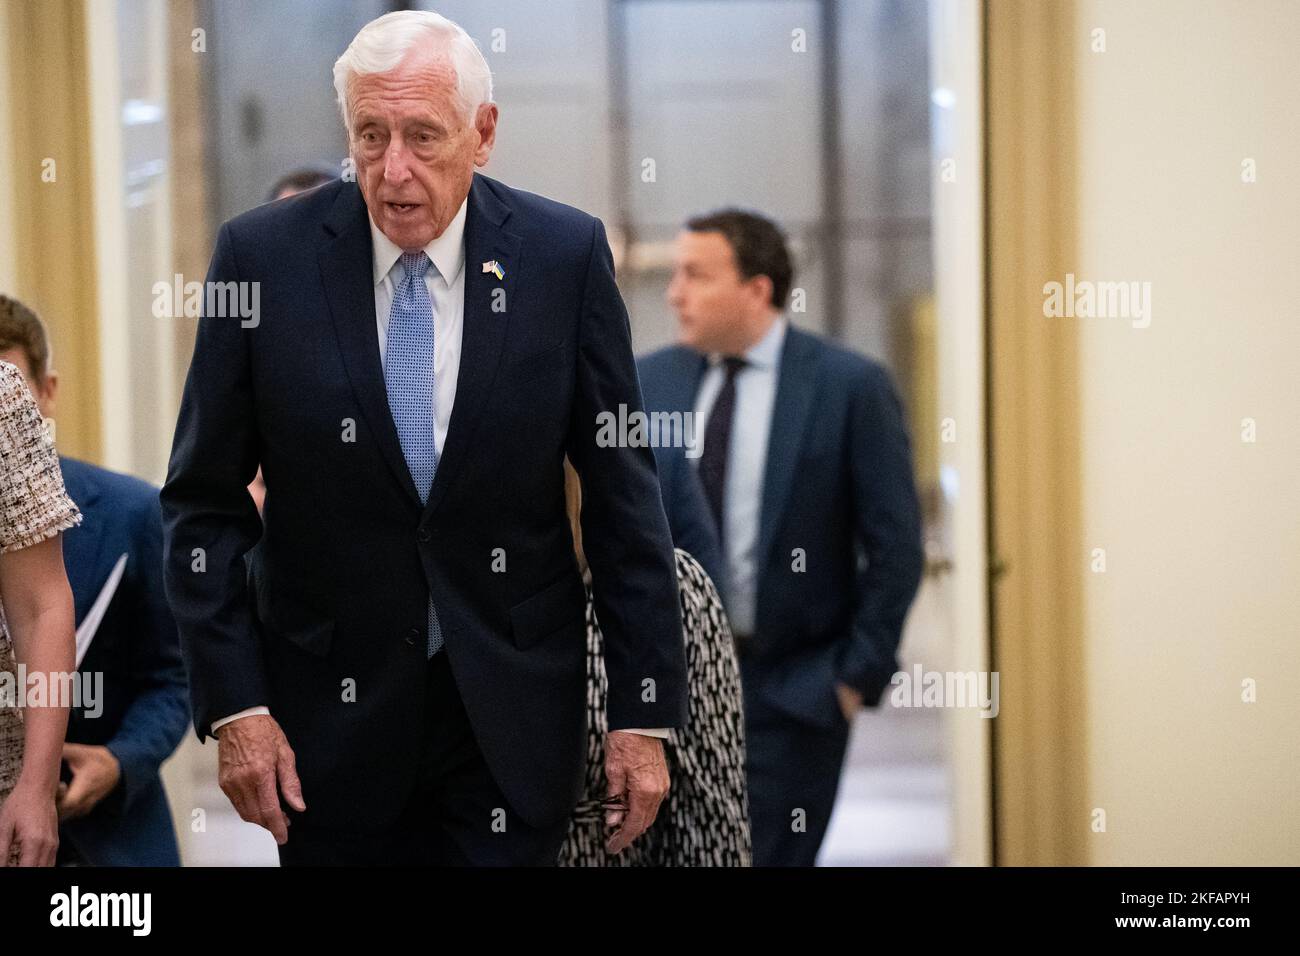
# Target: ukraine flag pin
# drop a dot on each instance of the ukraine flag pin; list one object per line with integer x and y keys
{"x": 494, "y": 267}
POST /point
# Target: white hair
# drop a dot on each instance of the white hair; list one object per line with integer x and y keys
{"x": 384, "y": 42}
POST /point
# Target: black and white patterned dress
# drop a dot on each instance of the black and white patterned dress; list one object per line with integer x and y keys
{"x": 704, "y": 821}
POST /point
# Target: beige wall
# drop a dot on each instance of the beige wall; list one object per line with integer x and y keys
{"x": 957, "y": 396}
{"x": 1201, "y": 530}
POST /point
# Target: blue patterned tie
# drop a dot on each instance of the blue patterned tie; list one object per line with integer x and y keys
{"x": 408, "y": 374}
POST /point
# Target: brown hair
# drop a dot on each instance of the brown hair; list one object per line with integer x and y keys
{"x": 300, "y": 180}
{"x": 757, "y": 243}
{"x": 20, "y": 327}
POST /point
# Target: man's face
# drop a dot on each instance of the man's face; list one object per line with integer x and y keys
{"x": 45, "y": 391}
{"x": 414, "y": 150}
{"x": 713, "y": 301}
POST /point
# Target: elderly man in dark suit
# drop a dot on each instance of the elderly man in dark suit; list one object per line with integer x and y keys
{"x": 405, "y": 683}
{"x": 807, "y": 470}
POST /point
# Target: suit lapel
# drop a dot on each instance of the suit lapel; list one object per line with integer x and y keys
{"x": 794, "y": 400}
{"x": 484, "y": 331}
{"x": 346, "y": 263}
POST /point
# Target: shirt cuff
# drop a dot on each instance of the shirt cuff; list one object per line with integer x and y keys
{"x": 251, "y": 711}
{"x": 660, "y": 732}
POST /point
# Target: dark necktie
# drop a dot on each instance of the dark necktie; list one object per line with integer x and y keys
{"x": 717, "y": 439}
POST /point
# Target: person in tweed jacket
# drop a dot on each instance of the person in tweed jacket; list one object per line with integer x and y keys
{"x": 36, "y": 623}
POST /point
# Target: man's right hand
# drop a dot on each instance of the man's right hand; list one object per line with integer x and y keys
{"x": 256, "y": 765}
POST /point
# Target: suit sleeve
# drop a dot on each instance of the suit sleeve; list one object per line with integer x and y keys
{"x": 156, "y": 718}
{"x": 689, "y": 519}
{"x": 887, "y": 519}
{"x": 624, "y": 530}
{"x": 209, "y": 519}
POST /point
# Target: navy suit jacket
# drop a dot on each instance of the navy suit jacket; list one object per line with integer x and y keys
{"x": 689, "y": 519}
{"x": 332, "y": 637}
{"x": 144, "y": 708}
{"x": 839, "y": 531}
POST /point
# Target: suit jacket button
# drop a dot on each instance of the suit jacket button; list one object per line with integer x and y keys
{"x": 424, "y": 534}
{"x": 412, "y": 636}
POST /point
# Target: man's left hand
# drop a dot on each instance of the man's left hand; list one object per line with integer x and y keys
{"x": 850, "y": 701}
{"x": 95, "y": 772}
{"x": 637, "y": 772}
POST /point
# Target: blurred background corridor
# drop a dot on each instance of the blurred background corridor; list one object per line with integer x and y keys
{"x": 1112, "y": 521}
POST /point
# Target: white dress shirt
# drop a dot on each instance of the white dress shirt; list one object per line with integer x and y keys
{"x": 446, "y": 284}
{"x": 742, "y": 493}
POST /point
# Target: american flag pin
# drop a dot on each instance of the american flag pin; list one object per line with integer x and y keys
{"x": 494, "y": 267}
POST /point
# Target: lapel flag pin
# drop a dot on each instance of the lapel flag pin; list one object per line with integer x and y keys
{"x": 494, "y": 267}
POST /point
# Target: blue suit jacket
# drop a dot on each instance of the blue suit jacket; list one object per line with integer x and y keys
{"x": 346, "y": 556}
{"x": 689, "y": 520}
{"x": 144, "y": 707}
{"x": 839, "y": 550}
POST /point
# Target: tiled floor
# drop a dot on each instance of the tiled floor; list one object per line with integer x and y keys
{"x": 226, "y": 839}
{"x": 893, "y": 805}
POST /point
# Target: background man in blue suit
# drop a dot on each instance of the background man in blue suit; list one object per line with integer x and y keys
{"x": 689, "y": 520}
{"x": 113, "y": 810}
{"x": 807, "y": 470}
{"x": 406, "y": 682}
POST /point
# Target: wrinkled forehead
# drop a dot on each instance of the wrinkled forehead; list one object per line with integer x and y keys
{"x": 424, "y": 83}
